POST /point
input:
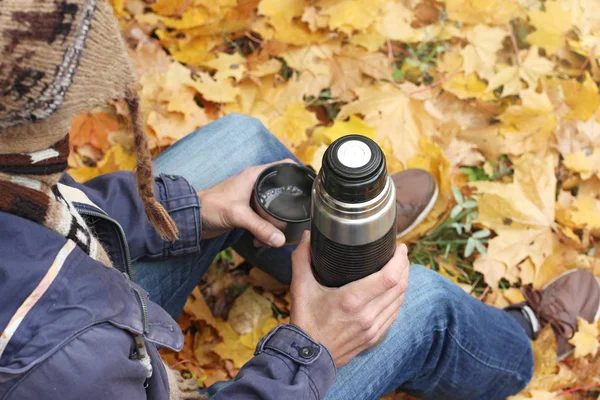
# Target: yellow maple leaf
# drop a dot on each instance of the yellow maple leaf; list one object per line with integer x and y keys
{"x": 354, "y": 125}
{"x": 585, "y": 339}
{"x": 191, "y": 18}
{"x": 582, "y": 212}
{"x": 464, "y": 86}
{"x": 369, "y": 38}
{"x": 285, "y": 31}
{"x": 480, "y": 54}
{"x": 351, "y": 15}
{"x": 395, "y": 23}
{"x": 522, "y": 215}
{"x": 582, "y": 98}
{"x": 115, "y": 159}
{"x": 219, "y": 91}
{"x": 283, "y": 9}
{"x": 530, "y": 69}
{"x": 551, "y": 26}
{"x": 495, "y": 12}
{"x": 530, "y": 123}
{"x": 192, "y": 50}
{"x": 292, "y": 126}
{"x": 586, "y": 162}
{"x": 231, "y": 348}
{"x": 227, "y": 66}
{"x": 389, "y": 111}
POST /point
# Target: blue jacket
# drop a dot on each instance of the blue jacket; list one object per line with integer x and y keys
{"x": 77, "y": 342}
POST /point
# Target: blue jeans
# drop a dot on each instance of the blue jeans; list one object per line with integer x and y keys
{"x": 445, "y": 344}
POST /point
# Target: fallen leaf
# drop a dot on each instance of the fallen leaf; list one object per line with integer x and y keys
{"x": 249, "y": 310}
{"x": 495, "y": 12}
{"x": 292, "y": 126}
{"x": 585, "y": 339}
{"x": 354, "y": 126}
{"x": 388, "y": 110}
{"x": 227, "y": 66}
{"x": 196, "y": 306}
{"x": 531, "y": 68}
{"x": 582, "y": 98}
{"x": 530, "y": 124}
{"x": 551, "y": 26}
{"x": 480, "y": 54}
{"x": 115, "y": 159}
{"x": 92, "y": 128}
{"x": 586, "y": 162}
{"x": 522, "y": 215}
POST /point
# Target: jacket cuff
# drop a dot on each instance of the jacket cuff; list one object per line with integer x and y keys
{"x": 298, "y": 348}
{"x": 181, "y": 201}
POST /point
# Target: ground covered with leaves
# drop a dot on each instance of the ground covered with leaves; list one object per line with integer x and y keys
{"x": 498, "y": 99}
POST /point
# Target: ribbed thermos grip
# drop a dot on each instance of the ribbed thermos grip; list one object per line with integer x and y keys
{"x": 336, "y": 264}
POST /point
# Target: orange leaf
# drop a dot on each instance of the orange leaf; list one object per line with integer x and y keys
{"x": 92, "y": 128}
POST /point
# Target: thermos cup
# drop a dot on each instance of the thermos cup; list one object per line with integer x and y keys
{"x": 353, "y": 212}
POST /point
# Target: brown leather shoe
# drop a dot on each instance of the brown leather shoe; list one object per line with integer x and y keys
{"x": 576, "y": 293}
{"x": 416, "y": 193}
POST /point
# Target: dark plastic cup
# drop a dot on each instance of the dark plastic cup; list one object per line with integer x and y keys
{"x": 282, "y": 196}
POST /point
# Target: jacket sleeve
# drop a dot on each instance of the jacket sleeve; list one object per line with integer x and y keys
{"x": 116, "y": 194}
{"x": 95, "y": 365}
{"x": 288, "y": 364}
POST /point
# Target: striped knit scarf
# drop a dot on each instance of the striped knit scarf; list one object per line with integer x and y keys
{"x": 28, "y": 189}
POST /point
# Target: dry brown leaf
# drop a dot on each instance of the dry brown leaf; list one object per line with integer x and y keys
{"x": 249, "y": 311}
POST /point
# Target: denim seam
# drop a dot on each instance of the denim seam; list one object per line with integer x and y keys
{"x": 480, "y": 360}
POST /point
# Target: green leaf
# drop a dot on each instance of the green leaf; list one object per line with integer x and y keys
{"x": 455, "y": 211}
{"x": 480, "y": 247}
{"x": 469, "y": 204}
{"x": 469, "y": 247}
{"x": 457, "y": 195}
{"x": 481, "y": 234}
{"x": 458, "y": 227}
{"x": 398, "y": 74}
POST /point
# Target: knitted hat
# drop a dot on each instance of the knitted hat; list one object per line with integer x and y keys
{"x": 58, "y": 58}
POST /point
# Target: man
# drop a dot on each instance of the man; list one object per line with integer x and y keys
{"x": 75, "y": 321}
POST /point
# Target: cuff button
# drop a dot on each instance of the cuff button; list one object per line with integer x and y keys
{"x": 306, "y": 352}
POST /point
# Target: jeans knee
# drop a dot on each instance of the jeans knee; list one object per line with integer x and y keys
{"x": 432, "y": 293}
{"x": 251, "y": 128}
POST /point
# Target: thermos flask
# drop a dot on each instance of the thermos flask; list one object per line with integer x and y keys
{"x": 353, "y": 212}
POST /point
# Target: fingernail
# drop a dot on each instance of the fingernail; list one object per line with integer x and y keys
{"x": 277, "y": 239}
{"x": 403, "y": 248}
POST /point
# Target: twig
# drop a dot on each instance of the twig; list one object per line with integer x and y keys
{"x": 586, "y": 62}
{"x": 254, "y": 39}
{"x": 485, "y": 292}
{"x": 513, "y": 39}
{"x": 437, "y": 83}
{"x": 401, "y": 50}
{"x": 390, "y": 53}
{"x": 179, "y": 363}
{"x": 578, "y": 388}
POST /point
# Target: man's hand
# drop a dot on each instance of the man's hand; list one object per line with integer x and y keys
{"x": 354, "y": 317}
{"x": 226, "y": 206}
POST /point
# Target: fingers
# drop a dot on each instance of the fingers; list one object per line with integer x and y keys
{"x": 301, "y": 259}
{"x": 258, "y": 243}
{"x": 374, "y": 285}
{"x": 245, "y": 217}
